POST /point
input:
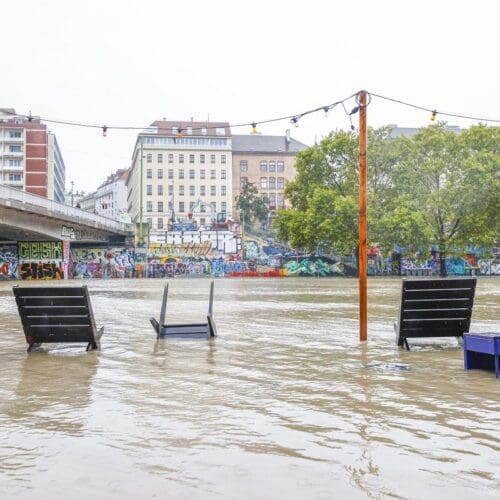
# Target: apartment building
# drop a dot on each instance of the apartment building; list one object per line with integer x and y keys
{"x": 180, "y": 170}
{"x": 110, "y": 198}
{"x": 30, "y": 158}
{"x": 267, "y": 161}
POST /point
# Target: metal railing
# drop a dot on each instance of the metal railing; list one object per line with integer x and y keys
{"x": 82, "y": 216}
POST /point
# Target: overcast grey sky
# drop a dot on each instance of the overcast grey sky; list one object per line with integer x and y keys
{"x": 130, "y": 62}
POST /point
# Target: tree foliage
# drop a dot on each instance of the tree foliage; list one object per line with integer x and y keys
{"x": 250, "y": 205}
{"x": 437, "y": 187}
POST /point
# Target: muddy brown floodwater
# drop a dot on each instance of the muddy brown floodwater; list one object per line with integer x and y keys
{"x": 284, "y": 403}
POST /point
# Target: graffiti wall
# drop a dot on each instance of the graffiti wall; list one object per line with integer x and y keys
{"x": 40, "y": 260}
{"x": 8, "y": 262}
{"x": 105, "y": 263}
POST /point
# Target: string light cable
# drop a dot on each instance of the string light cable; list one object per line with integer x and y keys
{"x": 294, "y": 119}
{"x": 434, "y": 111}
{"x": 253, "y": 124}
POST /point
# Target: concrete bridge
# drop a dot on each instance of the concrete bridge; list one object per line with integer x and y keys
{"x": 28, "y": 217}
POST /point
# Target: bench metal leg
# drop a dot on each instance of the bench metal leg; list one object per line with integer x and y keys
{"x": 406, "y": 344}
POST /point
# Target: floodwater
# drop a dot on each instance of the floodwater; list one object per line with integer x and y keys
{"x": 284, "y": 403}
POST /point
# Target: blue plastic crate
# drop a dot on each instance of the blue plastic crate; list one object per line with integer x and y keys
{"x": 482, "y": 351}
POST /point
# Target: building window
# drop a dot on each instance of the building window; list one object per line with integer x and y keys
{"x": 213, "y": 190}
{"x": 263, "y": 166}
{"x": 220, "y": 131}
{"x": 181, "y": 190}
{"x": 243, "y": 166}
{"x": 203, "y": 190}
{"x": 223, "y": 159}
{"x": 15, "y": 163}
{"x": 170, "y": 189}
{"x": 213, "y": 174}
{"x": 149, "y": 158}
{"x": 280, "y": 201}
{"x": 223, "y": 190}
{"x": 149, "y": 221}
{"x": 181, "y": 206}
{"x": 280, "y": 182}
{"x": 263, "y": 182}
{"x": 149, "y": 189}
{"x": 203, "y": 131}
{"x": 160, "y": 158}
{"x": 243, "y": 181}
{"x": 160, "y": 173}
{"x": 170, "y": 158}
{"x": 189, "y": 130}
{"x": 170, "y": 173}
{"x": 212, "y": 159}
{"x": 272, "y": 166}
{"x": 181, "y": 173}
{"x": 149, "y": 173}
{"x": 222, "y": 174}
{"x": 202, "y": 174}
{"x": 191, "y": 174}
{"x": 170, "y": 206}
{"x": 160, "y": 206}
{"x": 223, "y": 206}
{"x": 149, "y": 206}
{"x": 202, "y": 221}
{"x": 15, "y": 149}
{"x": 202, "y": 158}
{"x": 14, "y": 134}
{"x": 203, "y": 209}
{"x": 280, "y": 166}
{"x": 191, "y": 158}
{"x": 160, "y": 222}
{"x": 214, "y": 206}
{"x": 181, "y": 158}
{"x": 191, "y": 205}
{"x": 160, "y": 190}
{"x": 272, "y": 182}
{"x": 14, "y": 177}
{"x": 192, "y": 191}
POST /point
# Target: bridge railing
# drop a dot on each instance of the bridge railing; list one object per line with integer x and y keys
{"x": 10, "y": 193}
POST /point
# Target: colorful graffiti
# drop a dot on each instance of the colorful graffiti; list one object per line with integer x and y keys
{"x": 40, "y": 260}
{"x": 106, "y": 263}
{"x": 316, "y": 267}
{"x": 8, "y": 262}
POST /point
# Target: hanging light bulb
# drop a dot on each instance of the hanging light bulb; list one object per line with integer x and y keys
{"x": 325, "y": 109}
{"x": 179, "y": 133}
{"x": 295, "y": 121}
{"x": 104, "y": 131}
{"x": 254, "y": 128}
{"x": 433, "y": 116}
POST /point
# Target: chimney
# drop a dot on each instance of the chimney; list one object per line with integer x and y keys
{"x": 287, "y": 140}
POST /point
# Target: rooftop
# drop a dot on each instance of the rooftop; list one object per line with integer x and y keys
{"x": 256, "y": 143}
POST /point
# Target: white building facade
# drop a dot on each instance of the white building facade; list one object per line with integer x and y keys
{"x": 111, "y": 196}
{"x": 180, "y": 171}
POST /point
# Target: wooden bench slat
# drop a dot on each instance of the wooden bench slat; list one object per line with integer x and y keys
{"x": 435, "y": 313}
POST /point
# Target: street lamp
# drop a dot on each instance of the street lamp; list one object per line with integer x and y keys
{"x": 141, "y": 239}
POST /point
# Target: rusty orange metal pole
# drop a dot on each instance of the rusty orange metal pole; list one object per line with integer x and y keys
{"x": 362, "y": 253}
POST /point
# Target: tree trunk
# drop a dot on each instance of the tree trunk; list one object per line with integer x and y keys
{"x": 442, "y": 264}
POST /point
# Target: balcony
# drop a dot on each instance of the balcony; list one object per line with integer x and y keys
{"x": 12, "y": 168}
{"x": 14, "y": 140}
{"x": 11, "y": 154}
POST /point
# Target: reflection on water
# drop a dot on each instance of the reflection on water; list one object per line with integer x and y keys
{"x": 284, "y": 402}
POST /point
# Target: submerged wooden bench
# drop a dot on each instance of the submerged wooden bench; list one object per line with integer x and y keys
{"x": 434, "y": 308}
{"x": 57, "y": 314}
{"x": 186, "y": 330}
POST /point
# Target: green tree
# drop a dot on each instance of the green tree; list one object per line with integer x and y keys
{"x": 324, "y": 194}
{"x": 437, "y": 187}
{"x": 449, "y": 180}
{"x": 250, "y": 205}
